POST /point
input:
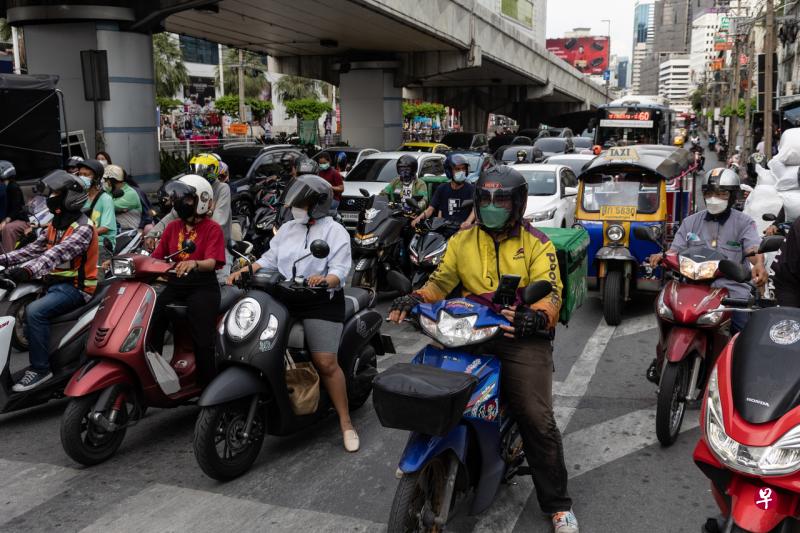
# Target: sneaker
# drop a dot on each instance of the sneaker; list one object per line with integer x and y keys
{"x": 565, "y": 522}
{"x": 30, "y": 380}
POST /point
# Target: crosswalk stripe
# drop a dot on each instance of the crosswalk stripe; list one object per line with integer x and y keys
{"x": 171, "y": 509}
{"x": 636, "y": 325}
{"x": 28, "y": 485}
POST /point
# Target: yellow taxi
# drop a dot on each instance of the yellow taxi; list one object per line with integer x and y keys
{"x": 436, "y": 148}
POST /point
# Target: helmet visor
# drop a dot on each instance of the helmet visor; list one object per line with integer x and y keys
{"x": 502, "y": 198}
{"x": 201, "y": 169}
{"x": 301, "y": 195}
{"x": 58, "y": 180}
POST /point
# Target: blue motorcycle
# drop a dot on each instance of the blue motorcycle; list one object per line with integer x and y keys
{"x": 463, "y": 438}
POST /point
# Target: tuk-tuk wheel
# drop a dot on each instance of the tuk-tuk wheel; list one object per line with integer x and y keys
{"x": 613, "y": 291}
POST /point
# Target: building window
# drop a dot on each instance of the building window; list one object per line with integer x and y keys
{"x": 199, "y": 50}
{"x": 519, "y": 10}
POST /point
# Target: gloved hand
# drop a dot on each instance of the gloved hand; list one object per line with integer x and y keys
{"x": 402, "y": 306}
{"x": 528, "y": 322}
{"x": 18, "y": 274}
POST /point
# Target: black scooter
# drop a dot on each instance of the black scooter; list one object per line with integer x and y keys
{"x": 428, "y": 246}
{"x": 249, "y": 397}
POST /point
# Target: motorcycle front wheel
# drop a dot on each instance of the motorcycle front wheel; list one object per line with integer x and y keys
{"x": 418, "y": 499}
{"x": 671, "y": 404}
{"x": 219, "y": 447}
{"x": 83, "y": 439}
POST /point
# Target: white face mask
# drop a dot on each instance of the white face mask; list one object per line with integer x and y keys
{"x": 460, "y": 177}
{"x": 300, "y": 215}
{"x": 103, "y": 162}
{"x": 715, "y": 205}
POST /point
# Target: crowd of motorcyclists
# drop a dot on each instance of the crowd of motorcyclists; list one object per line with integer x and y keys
{"x": 93, "y": 201}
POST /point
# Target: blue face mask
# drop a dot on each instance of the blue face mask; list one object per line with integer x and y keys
{"x": 324, "y": 166}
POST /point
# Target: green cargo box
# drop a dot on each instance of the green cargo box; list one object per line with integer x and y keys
{"x": 571, "y": 246}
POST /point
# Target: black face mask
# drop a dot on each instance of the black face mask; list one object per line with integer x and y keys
{"x": 55, "y": 204}
{"x": 117, "y": 193}
{"x": 185, "y": 211}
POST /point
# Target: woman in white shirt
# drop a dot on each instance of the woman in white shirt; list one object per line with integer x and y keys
{"x": 309, "y": 198}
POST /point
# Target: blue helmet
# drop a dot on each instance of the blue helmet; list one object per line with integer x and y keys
{"x": 452, "y": 161}
{"x": 341, "y": 159}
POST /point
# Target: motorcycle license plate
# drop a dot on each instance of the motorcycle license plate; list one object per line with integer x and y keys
{"x": 349, "y": 216}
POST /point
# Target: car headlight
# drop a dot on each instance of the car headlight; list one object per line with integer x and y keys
{"x": 122, "y": 268}
{"x": 663, "y": 309}
{"x": 781, "y": 458}
{"x": 454, "y": 331}
{"x": 542, "y": 215}
{"x": 615, "y": 233}
{"x": 271, "y": 330}
{"x": 698, "y": 271}
{"x": 711, "y": 318}
{"x": 365, "y": 240}
{"x": 243, "y": 318}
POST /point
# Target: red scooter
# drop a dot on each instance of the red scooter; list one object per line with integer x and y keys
{"x": 121, "y": 378}
{"x": 750, "y": 423}
{"x": 691, "y": 332}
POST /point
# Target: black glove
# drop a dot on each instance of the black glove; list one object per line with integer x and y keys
{"x": 404, "y": 304}
{"x": 18, "y": 275}
{"x": 528, "y": 322}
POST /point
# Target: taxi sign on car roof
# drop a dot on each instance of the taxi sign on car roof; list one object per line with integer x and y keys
{"x": 622, "y": 153}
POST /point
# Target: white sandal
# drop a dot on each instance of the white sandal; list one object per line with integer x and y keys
{"x": 351, "y": 442}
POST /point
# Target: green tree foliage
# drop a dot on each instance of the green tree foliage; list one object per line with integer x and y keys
{"x": 259, "y": 108}
{"x": 425, "y": 109}
{"x": 254, "y": 81}
{"x": 170, "y": 72}
{"x": 5, "y": 30}
{"x": 726, "y": 111}
{"x": 697, "y": 99}
{"x": 296, "y": 88}
{"x": 229, "y": 105}
{"x": 306, "y": 108}
{"x": 167, "y": 104}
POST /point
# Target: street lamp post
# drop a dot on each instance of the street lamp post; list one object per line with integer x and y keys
{"x": 608, "y": 65}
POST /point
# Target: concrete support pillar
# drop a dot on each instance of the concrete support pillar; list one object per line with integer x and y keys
{"x": 474, "y": 118}
{"x": 127, "y": 122}
{"x": 372, "y": 110}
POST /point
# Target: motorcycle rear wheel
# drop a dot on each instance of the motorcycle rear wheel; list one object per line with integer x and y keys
{"x": 671, "y": 404}
{"x": 83, "y": 440}
{"x": 418, "y": 499}
{"x": 222, "y": 425}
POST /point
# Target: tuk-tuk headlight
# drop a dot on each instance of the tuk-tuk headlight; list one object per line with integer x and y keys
{"x": 615, "y": 233}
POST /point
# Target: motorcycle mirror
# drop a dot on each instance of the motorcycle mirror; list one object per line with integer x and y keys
{"x": 644, "y": 233}
{"x": 412, "y": 203}
{"x": 733, "y": 271}
{"x": 769, "y": 244}
{"x": 364, "y": 192}
{"x": 189, "y": 246}
{"x": 398, "y": 281}
{"x": 320, "y": 249}
{"x": 536, "y": 291}
{"x": 239, "y": 247}
{"x": 769, "y": 217}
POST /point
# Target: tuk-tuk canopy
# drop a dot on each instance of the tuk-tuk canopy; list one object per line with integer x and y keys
{"x": 667, "y": 162}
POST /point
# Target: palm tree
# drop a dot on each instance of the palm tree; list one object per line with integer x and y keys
{"x": 295, "y": 88}
{"x": 169, "y": 70}
{"x": 5, "y": 30}
{"x": 254, "y": 81}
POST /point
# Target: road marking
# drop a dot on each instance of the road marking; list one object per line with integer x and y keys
{"x": 637, "y": 325}
{"x": 505, "y": 512}
{"x": 595, "y": 446}
{"x": 28, "y": 485}
{"x": 165, "y": 508}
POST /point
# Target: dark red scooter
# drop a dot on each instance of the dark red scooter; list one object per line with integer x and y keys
{"x": 750, "y": 422}
{"x": 121, "y": 378}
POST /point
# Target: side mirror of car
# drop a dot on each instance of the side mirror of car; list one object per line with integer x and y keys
{"x": 769, "y": 217}
{"x": 320, "y": 249}
{"x": 536, "y": 291}
{"x": 398, "y": 281}
{"x": 733, "y": 271}
{"x": 570, "y": 191}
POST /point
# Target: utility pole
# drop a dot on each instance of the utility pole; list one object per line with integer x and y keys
{"x": 769, "y": 67}
{"x": 221, "y": 71}
{"x": 734, "y": 101}
{"x": 241, "y": 85}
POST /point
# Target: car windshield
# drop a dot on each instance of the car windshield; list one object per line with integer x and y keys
{"x": 407, "y": 148}
{"x": 582, "y": 142}
{"x": 474, "y": 161}
{"x": 238, "y": 164}
{"x": 510, "y": 154}
{"x": 373, "y": 170}
{"x": 458, "y": 140}
{"x": 550, "y": 145}
{"x": 574, "y": 163}
{"x": 540, "y": 182}
{"x": 633, "y": 188}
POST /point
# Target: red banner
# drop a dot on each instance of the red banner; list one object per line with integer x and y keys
{"x": 587, "y": 54}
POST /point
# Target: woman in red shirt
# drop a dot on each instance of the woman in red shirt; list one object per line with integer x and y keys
{"x": 195, "y": 282}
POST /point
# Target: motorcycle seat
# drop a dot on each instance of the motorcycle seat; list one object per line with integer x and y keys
{"x": 355, "y": 300}
{"x": 98, "y": 295}
{"x": 228, "y": 296}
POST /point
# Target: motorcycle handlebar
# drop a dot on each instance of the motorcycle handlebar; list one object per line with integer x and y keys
{"x": 737, "y": 302}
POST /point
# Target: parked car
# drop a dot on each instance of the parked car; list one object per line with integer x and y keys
{"x": 508, "y": 154}
{"x": 476, "y": 162}
{"x": 436, "y": 148}
{"x": 576, "y": 162}
{"x": 466, "y": 141}
{"x": 552, "y": 192}
{"x": 556, "y": 132}
{"x": 354, "y": 155}
{"x": 582, "y": 143}
{"x": 554, "y": 145}
{"x": 504, "y": 140}
{"x": 374, "y": 172}
{"x": 249, "y": 160}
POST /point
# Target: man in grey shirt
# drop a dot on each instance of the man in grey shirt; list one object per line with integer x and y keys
{"x": 730, "y": 232}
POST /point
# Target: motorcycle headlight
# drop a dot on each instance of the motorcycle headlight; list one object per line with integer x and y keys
{"x": 663, "y": 309}
{"x": 243, "y": 318}
{"x": 615, "y": 233}
{"x": 122, "y": 268}
{"x": 779, "y": 459}
{"x": 698, "y": 271}
{"x": 542, "y": 215}
{"x": 271, "y": 330}
{"x": 365, "y": 240}
{"x": 454, "y": 331}
{"x": 711, "y": 318}
{"x": 436, "y": 256}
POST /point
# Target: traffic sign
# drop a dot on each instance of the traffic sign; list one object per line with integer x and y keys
{"x": 606, "y": 75}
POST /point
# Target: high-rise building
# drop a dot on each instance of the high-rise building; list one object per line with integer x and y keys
{"x": 643, "y": 17}
{"x": 673, "y": 80}
{"x": 704, "y": 28}
{"x": 622, "y": 72}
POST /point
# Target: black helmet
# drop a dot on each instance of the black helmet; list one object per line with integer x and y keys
{"x": 95, "y": 166}
{"x": 312, "y": 191}
{"x": 407, "y": 168}
{"x": 70, "y": 187}
{"x": 500, "y": 183}
{"x": 452, "y": 161}
{"x": 305, "y": 165}
{"x": 522, "y": 155}
{"x": 7, "y": 170}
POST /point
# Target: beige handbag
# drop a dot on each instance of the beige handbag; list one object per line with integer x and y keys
{"x": 302, "y": 381}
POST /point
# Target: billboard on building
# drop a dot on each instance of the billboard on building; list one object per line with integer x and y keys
{"x": 587, "y": 54}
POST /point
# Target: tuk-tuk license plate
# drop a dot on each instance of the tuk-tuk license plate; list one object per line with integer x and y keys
{"x": 617, "y": 211}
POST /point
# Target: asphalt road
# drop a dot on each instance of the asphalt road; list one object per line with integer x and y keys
{"x": 620, "y": 478}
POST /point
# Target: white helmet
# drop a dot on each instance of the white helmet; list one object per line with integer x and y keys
{"x": 190, "y": 186}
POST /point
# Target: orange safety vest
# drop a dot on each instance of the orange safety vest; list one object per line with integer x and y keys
{"x": 82, "y": 270}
